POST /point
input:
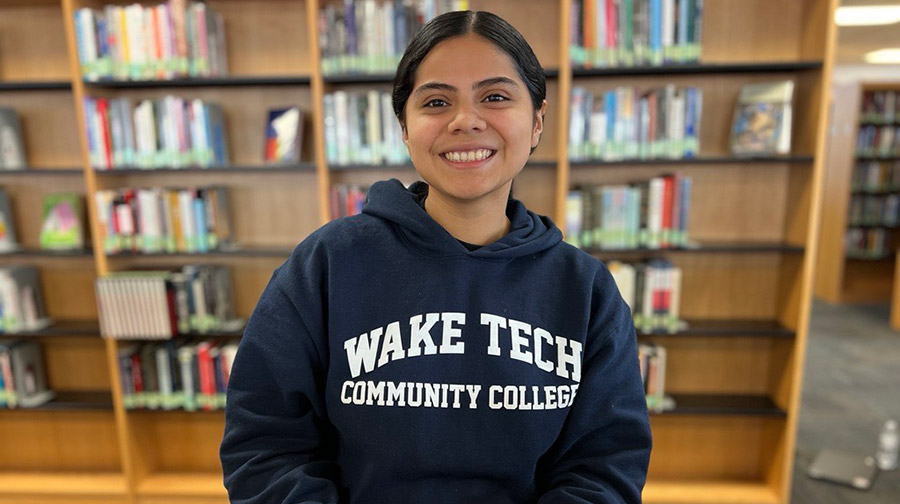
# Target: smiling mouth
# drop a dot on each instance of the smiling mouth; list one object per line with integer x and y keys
{"x": 471, "y": 156}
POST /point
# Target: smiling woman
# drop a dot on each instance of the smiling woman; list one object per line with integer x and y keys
{"x": 445, "y": 345}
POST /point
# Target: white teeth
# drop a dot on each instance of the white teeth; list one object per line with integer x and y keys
{"x": 468, "y": 156}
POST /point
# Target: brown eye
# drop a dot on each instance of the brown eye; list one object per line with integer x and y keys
{"x": 496, "y": 98}
{"x": 437, "y": 102}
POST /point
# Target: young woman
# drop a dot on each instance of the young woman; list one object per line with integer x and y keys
{"x": 445, "y": 346}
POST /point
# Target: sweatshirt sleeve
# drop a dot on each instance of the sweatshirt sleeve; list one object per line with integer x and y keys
{"x": 277, "y": 446}
{"x": 603, "y": 451}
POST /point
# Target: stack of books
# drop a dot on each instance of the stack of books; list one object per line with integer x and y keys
{"x": 652, "y": 289}
{"x": 136, "y": 42}
{"x": 360, "y": 128}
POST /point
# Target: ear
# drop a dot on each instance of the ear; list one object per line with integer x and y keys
{"x": 405, "y": 133}
{"x": 538, "y": 125}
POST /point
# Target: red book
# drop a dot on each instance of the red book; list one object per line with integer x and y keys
{"x": 136, "y": 376}
{"x": 667, "y": 211}
{"x": 106, "y": 141}
{"x": 207, "y": 375}
{"x": 612, "y": 24}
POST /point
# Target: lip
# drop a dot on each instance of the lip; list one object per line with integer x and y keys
{"x": 467, "y": 165}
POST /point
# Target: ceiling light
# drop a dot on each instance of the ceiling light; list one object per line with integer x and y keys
{"x": 884, "y": 56}
{"x": 867, "y": 15}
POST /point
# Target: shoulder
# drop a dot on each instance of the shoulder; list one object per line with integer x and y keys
{"x": 336, "y": 238}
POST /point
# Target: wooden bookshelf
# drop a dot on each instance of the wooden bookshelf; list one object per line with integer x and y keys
{"x": 735, "y": 371}
{"x": 843, "y": 277}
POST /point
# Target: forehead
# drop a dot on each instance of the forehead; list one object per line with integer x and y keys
{"x": 466, "y": 59}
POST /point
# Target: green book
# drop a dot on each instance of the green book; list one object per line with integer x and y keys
{"x": 62, "y": 227}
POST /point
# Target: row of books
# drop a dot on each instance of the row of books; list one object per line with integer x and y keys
{"x": 12, "y": 148}
{"x": 23, "y": 381}
{"x": 163, "y": 304}
{"x": 62, "y": 227}
{"x": 166, "y": 132}
{"x": 652, "y": 289}
{"x": 187, "y": 375}
{"x": 610, "y": 33}
{"x": 168, "y": 220}
{"x": 652, "y": 358}
{"x": 21, "y": 300}
{"x": 366, "y": 36}
{"x": 876, "y": 176}
{"x": 880, "y": 107}
{"x": 360, "y": 128}
{"x": 653, "y": 213}
{"x": 628, "y": 123}
{"x": 874, "y": 210}
{"x": 136, "y": 42}
{"x": 868, "y": 243}
{"x": 347, "y": 199}
{"x": 878, "y": 141}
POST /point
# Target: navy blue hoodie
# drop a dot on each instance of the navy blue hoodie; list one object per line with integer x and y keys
{"x": 387, "y": 363}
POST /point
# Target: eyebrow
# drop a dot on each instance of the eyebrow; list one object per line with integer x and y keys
{"x": 480, "y": 84}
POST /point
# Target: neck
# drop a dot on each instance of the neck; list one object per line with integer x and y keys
{"x": 478, "y": 222}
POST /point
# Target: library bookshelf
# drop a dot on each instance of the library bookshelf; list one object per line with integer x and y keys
{"x": 735, "y": 373}
{"x": 842, "y": 277}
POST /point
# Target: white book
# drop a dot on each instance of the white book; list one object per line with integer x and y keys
{"x": 623, "y": 274}
{"x": 331, "y": 141}
{"x": 655, "y": 211}
{"x": 373, "y": 127}
{"x": 650, "y": 278}
{"x": 342, "y": 126}
{"x": 675, "y": 297}
{"x": 188, "y": 224}
{"x": 576, "y": 123}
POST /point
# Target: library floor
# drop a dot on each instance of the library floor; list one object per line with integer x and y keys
{"x": 851, "y": 385}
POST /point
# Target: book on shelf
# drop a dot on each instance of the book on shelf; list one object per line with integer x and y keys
{"x": 196, "y": 299}
{"x": 763, "y": 119}
{"x": 880, "y": 107}
{"x": 652, "y": 358}
{"x": 176, "y": 375}
{"x": 368, "y": 36}
{"x": 652, "y": 214}
{"x": 347, "y": 200}
{"x": 164, "y": 220}
{"x": 628, "y": 123}
{"x": 876, "y": 176}
{"x": 360, "y": 128}
{"x": 626, "y": 33}
{"x": 174, "y": 39}
{"x": 284, "y": 135}
{"x": 21, "y": 300}
{"x": 874, "y": 210}
{"x": 62, "y": 227}
{"x": 878, "y": 141}
{"x": 8, "y": 241}
{"x": 652, "y": 290}
{"x": 12, "y": 147}
{"x": 868, "y": 243}
{"x": 23, "y": 380}
{"x": 167, "y": 132}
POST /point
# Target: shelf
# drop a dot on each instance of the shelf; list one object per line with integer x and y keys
{"x": 276, "y": 252}
{"x": 61, "y": 328}
{"x": 712, "y": 404}
{"x": 872, "y": 226}
{"x": 860, "y": 157}
{"x": 388, "y": 78}
{"x": 182, "y": 485}
{"x": 73, "y": 400}
{"x": 33, "y": 252}
{"x": 706, "y": 248}
{"x": 874, "y": 192}
{"x": 286, "y": 80}
{"x": 272, "y": 168}
{"x": 700, "y": 68}
{"x": 35, "y": 85}
{"x": 729, "y": 328}
{"x": 30, "y": 171}
{"x": 62, "y": 484}
{"x": 708, "y": 492}
{"x": 700, "y": 160}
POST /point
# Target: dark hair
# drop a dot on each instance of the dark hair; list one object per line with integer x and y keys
{"x": 457, "y": 23}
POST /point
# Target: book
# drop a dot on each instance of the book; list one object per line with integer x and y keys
{"x": 62, "y": 227}
{"x": 12, "y": 147}
{"x": 23, "y": 375}
{"x": 284, "y": 135}
{"x": 360, "y": 128}
{"x": 21, "y": 300}
{"x": 8, "y": 240}
{"x": 762, "y": 119}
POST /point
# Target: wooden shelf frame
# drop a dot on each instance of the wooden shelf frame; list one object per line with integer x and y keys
{"x": 769, "y": 256}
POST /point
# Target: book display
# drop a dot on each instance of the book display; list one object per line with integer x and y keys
{"x": 205, "y": 140}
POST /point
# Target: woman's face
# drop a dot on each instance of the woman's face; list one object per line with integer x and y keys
{"x": 470, "y": 124}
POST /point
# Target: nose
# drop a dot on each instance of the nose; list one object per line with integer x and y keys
{"x": 466, "y": 120}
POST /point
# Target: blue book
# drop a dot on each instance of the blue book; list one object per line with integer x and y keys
{"x": 200, "y": 222}
{"x": 656, "y": 53}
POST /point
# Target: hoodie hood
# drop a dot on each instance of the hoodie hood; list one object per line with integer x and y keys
{"x": 529, "y": 232}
